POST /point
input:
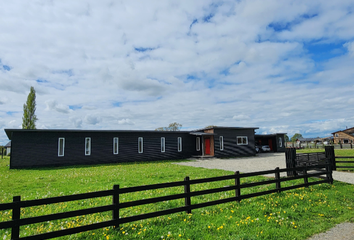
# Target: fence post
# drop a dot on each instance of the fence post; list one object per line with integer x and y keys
{"x": 237, "y": 184}
{"x": 329, "y": 150}
{"x": 277, "y": 177}
{"x": 115, "y": 211}
{"x": 16, "y": 215}
{"x": 290, "y": 158}
{"x": 187, "y": 190}
{"x": 306, "y": 178}
{"x": 329, "y": 173}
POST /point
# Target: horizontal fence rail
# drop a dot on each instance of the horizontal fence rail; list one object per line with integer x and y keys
{"x": 346, "y": 166}
{"x": 324, "y": 171}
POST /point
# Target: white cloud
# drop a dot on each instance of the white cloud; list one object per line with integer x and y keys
{"x": 53, "y": 105}
{"x": 240, "y": 117}
{"x": 230, "y": 63}
{"x": 92, "y": 120}
{"x": 350, "y": 47}
{"x": 125, "y": 122}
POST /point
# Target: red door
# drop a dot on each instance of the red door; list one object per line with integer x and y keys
{"x": 270, "y": 143}
{"x": 207, "y": 146}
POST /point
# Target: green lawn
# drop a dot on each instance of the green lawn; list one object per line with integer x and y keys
{"x": 295, "y": 214}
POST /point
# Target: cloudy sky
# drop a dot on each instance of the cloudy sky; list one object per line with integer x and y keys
{"x": 282, "y": 66}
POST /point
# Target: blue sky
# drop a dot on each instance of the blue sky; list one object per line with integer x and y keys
{"x": 282, "y": 66}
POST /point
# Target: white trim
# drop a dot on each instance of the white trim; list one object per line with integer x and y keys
{"x": 221, "y": 141}
{"x": 280, "y": 142}
{"x": 179, "y": 144}
{"x": 87, "y": 146}
{"x": 140, "y": 145}
{"x": 163, "y": 144}
{"x": 242, "y": 142}
{"x": 197, "y": 143}
{"x": 61, "y": 147}
{"x": 115, "y": 145}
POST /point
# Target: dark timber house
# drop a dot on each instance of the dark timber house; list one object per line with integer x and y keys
{"x": 51, "y": 147}
{"x": 276, "y": 141}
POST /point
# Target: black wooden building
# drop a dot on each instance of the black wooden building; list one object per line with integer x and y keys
{"x": 53, "y": 147}
{"x": 275, "y": 141}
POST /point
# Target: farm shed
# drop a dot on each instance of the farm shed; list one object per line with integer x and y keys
{"x": 275, "y": 141}
{"x": 52, "y": 147}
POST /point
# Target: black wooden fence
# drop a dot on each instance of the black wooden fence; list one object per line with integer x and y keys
{"x": 306, "y": 159}
{"x": 16, "y": 206}
{"x": 309, "y": 159}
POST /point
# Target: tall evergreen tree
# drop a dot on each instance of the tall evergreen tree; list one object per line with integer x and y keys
{"x": 29, "y": 108}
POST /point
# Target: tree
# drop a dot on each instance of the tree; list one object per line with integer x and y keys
{"x": 286, "y": 137}
{"x": 29, "y": 108}
{"x": 171, "y": 127}
{"x": 296, "y": 136}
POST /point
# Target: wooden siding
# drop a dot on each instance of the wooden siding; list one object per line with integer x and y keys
{"x": 231, "y": 149}
{"x": 339, "y": 137}
{"x": 40, "y": 148}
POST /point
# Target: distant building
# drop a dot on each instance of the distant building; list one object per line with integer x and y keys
{"x": 344, "y": 136}
{"x": 8, "y": 148}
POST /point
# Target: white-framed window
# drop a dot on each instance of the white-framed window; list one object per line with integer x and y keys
{"x": 115, "y": 145}
{"x": 221, "y": 140}
{"x": 163, "y": 141}
{"x": 87, "y": 146}
{"x": 242, "y": 140}
{"x": 61, "y": 147}
{"x": 336, "y": 135}
{"x": 179, "y": 143}
{"x": 197, "y": 143}
{"x": 140, "y": 145}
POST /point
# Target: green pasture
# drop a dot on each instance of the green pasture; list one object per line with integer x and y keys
{"x": 295, "y": 214}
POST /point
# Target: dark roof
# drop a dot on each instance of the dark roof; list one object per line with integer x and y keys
{"x": 10, "y": 131}
{"x": 202, "y": 134}
{"x": 269, "y": 135}
{"x": 343, "y": 130}
{"x": 8, "y": 144}
{"x": 220, "y": 127}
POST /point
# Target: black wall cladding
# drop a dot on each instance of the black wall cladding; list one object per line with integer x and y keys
{"x": 231, "y": 149}
{"x": 40, "y": 148}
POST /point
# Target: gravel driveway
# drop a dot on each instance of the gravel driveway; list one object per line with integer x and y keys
{"x": 261, "y": 162}
{"x": 269, "y": 161}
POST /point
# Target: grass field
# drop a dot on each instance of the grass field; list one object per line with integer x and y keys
{"x": 295, "y": 214}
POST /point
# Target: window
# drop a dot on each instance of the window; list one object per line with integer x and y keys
{"x": 115, "y": 145}
{"x": 221, "y": 140}
{"x": 280, "y": 142}
{"x": 336, "y": 135}
{"x": 197, "y": 143}
{"x": 140, "y": 145}
{"x": 162, "y": 144}
{"x": 87, "y": 146}
{"x": 61, "y": 147}
{"x": 179, "y": 141}
{"x": 242, "y": 140}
